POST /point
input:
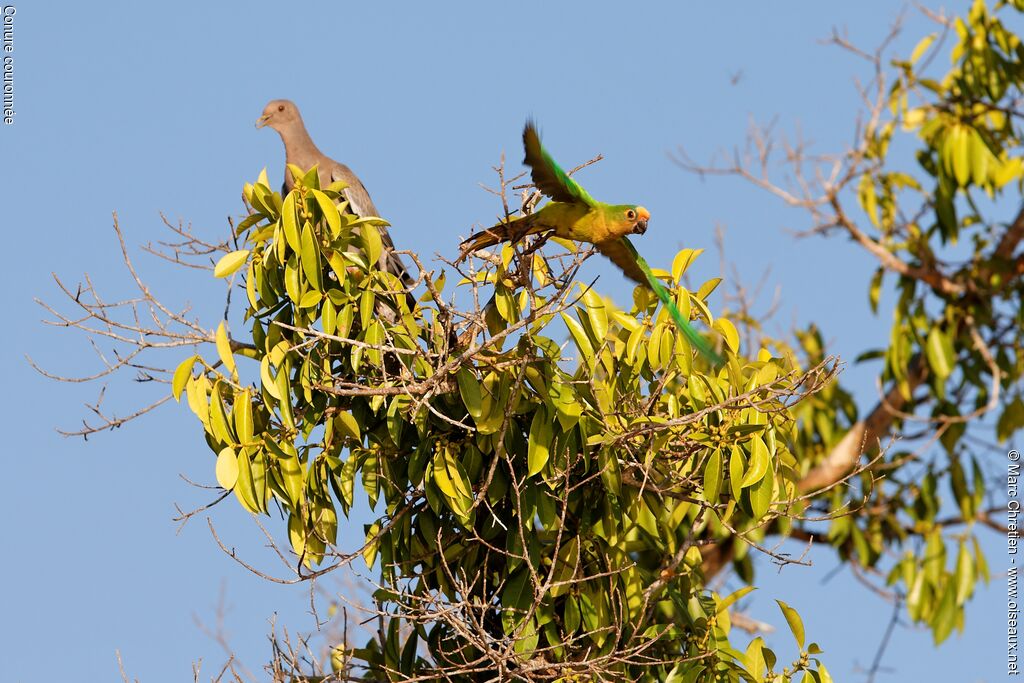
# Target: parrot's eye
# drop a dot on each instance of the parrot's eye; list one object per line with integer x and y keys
{"x": 631, "y": 214}
{"x": 280, "y": 107}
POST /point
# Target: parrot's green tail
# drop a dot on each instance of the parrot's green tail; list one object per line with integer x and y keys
{"x": 696, "y": 340}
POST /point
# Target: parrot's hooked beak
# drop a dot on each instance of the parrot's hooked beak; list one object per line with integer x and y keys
{"x": 642, "y": 215}
{"x": 262, "y": 121}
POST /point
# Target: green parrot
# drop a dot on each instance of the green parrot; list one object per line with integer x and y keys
{"x": 573, "y": 214}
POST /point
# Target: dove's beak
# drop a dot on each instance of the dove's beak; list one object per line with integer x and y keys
{"x": 262, "y": 121}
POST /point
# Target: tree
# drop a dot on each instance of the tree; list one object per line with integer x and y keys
{"x": 555, "y": 513}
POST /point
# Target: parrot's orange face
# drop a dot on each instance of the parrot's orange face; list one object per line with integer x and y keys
{"x": 637, "y": 216}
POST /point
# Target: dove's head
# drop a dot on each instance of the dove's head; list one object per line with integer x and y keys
{"x": 279, "y": 115}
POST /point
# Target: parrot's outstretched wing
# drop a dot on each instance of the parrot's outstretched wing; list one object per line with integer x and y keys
{"x": 625, "y": 258}
{"x": 624, "y": 254}
{"x": 547, "y": 175}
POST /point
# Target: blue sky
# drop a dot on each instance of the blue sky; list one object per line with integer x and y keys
{"x": 143, "y": 108}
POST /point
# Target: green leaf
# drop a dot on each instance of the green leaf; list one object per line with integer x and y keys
{"x": 940, "y": 353}
{"x": 944, "y": 618}
{"x": 347, "y": 481}
{"x": 875, "y": 290}
{"x": 288, "y": 224}
{"x": 539, "y": 444}
{"x": 292, "y": 279}
{"x": 760, "y": 459}
{"x": 761, "y": 496}
{"x": 571, "y": 615}
{"x": 309, "y": 256}
{"x": 469, "y": 390}
{"x": 218, "y": 417}
{"x": 608, "y": 461}
{"x": 965, "y": 574}
{"x": 737, "y": 466}
{"x": 565, "y": 567}
{"x": 754, "y": 658}
{"x": 1011, "y": 419}
{"x": 516, "y": 600}
{"x": 713, "y": 477}
{"x": 796, "y": 624}
{"x": 241, "y": 413}
{"x": 338, "y": 267}
{"x": 229, "y": 263}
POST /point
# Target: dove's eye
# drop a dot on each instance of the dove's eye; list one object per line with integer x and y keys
{"x": 631, "y": 214}
{"x": 280, "y": 107}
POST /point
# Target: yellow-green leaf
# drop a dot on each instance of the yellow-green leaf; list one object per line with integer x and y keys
{"x": 965, "y": 574}
{"x": 796, "y": 624}
{"x": 921, "y": 47}
{"x": 224, "y": 348}
{"x": 451, "y": 478}
{"x": 372, "y": 543}
{"x": 346, "y": 423}
{"x": 682, "y": 261}
{"x": 330, "y": 212}
{"x": 229, "y": 263}
{"x": 961, "y": 154}
{"x": 597, "y": 312}
{"x": 182, "y": 374}
{"x": 372, "y": 245}
{"x": 310, "y": 299}
{"x": 728, "y": 601}
{"x": 244, "y": 487}
{"x": 940, "y": 352}
{"x": 579, "y": 335}
{"x": 288, "y": 224}
{"x": 728, "y": 331}
{"x": 227, "y": 468}
{"x": 218, "y": 417}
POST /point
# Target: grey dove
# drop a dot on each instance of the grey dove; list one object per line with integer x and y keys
{"x": 299, "y": 149}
